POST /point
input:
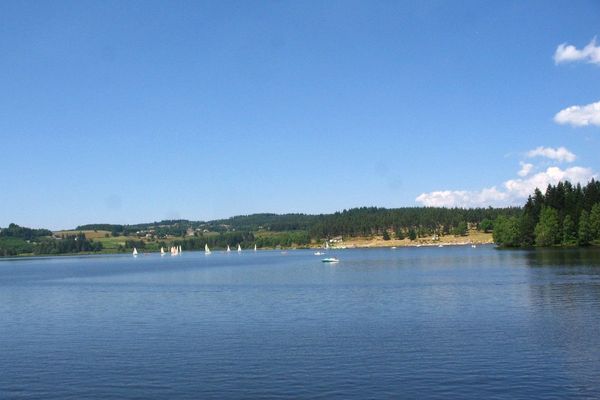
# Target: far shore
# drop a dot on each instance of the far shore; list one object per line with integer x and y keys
{"x": 473, "y": 238}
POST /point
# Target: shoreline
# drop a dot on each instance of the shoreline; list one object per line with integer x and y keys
{"x": 473, "y": 238}
{"x": 347, "y": 246}
{"x": 375, "y": 244}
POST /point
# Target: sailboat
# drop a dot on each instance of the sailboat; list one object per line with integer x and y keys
{"x": 134, "y": 252}
{"x": 179, "y": 250}
{"x": 228, "y": 249}
{"x": 239, "y": 248}
{"x": 255, "y": 247}
{"x": 206, "y": 249}
{"x": 162, "y": 251}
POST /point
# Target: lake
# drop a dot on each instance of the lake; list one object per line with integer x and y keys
{"x": 427, "y": 323}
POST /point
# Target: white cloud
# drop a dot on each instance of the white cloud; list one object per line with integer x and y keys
{"x": 463, "y": 198}
{"x": 521, "y": 188}
{"x": 559, "y": 154}
{"x": 513, "y": 192}
{"x": 525, "y": 169}
{"x": 579, "y": 115}
{"x": 569, "y": 53}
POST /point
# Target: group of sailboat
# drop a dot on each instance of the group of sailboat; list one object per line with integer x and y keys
{"x": 176, "y": 250}
{"x": 239, "y": 248}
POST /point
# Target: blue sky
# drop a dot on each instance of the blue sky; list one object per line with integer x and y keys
{"x": 125, "y": 112}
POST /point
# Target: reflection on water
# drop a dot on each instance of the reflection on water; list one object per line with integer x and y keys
{"x": 564, "y": 278}
{"x": 586, "y": 258}
{"x": 564, "y": 286}
{"x": 453, "y": 322}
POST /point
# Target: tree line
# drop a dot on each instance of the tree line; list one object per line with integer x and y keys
{"x": 409, "y": 222}
{"x": 16, "y": 240}
{"x": 565, "y": 215}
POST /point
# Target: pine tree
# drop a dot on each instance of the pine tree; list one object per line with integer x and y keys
{"x": 399, "y": 234}
{"x": 461, "y": 229}
{"x": 412, "y": 235}
{"x": 547, "y": 231}
{"x": 595, "y": 222}
{"x": 506, "y": 231}
{"x": 584, "y": 232}
{"x": 486, "y": 225}
{"x": 569, "y": 231}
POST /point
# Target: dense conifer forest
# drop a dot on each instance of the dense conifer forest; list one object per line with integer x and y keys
{"x": 565, "y": 215}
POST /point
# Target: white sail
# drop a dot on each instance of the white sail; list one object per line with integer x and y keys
{"x": 134, "y": 252}
{"x": 326, "y": 245}
{"x": 228, "y": 249}
{"x": 162, "y": 251}
{"x": 206, "y": 249}
{"x": 255, "y": 247}
{"x": 179, "y": 249}
{"x": 239, "y": 248}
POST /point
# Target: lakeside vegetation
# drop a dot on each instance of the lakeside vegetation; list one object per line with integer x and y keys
{"x": 565, "y": 215}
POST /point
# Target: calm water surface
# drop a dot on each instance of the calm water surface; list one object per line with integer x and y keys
{"x": 452, "y": 322}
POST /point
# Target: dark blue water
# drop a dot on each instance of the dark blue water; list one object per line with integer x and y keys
{"x": 453, "y": 322}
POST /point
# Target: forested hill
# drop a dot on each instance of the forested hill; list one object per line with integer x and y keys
{"x": 362, "y": 221}
{"x": 424, "y": 221}
{"x": 248, "y": 223}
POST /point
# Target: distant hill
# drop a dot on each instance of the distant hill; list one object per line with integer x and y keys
{"x": 354, "y": 222}
{"x": 266, "y": 230}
